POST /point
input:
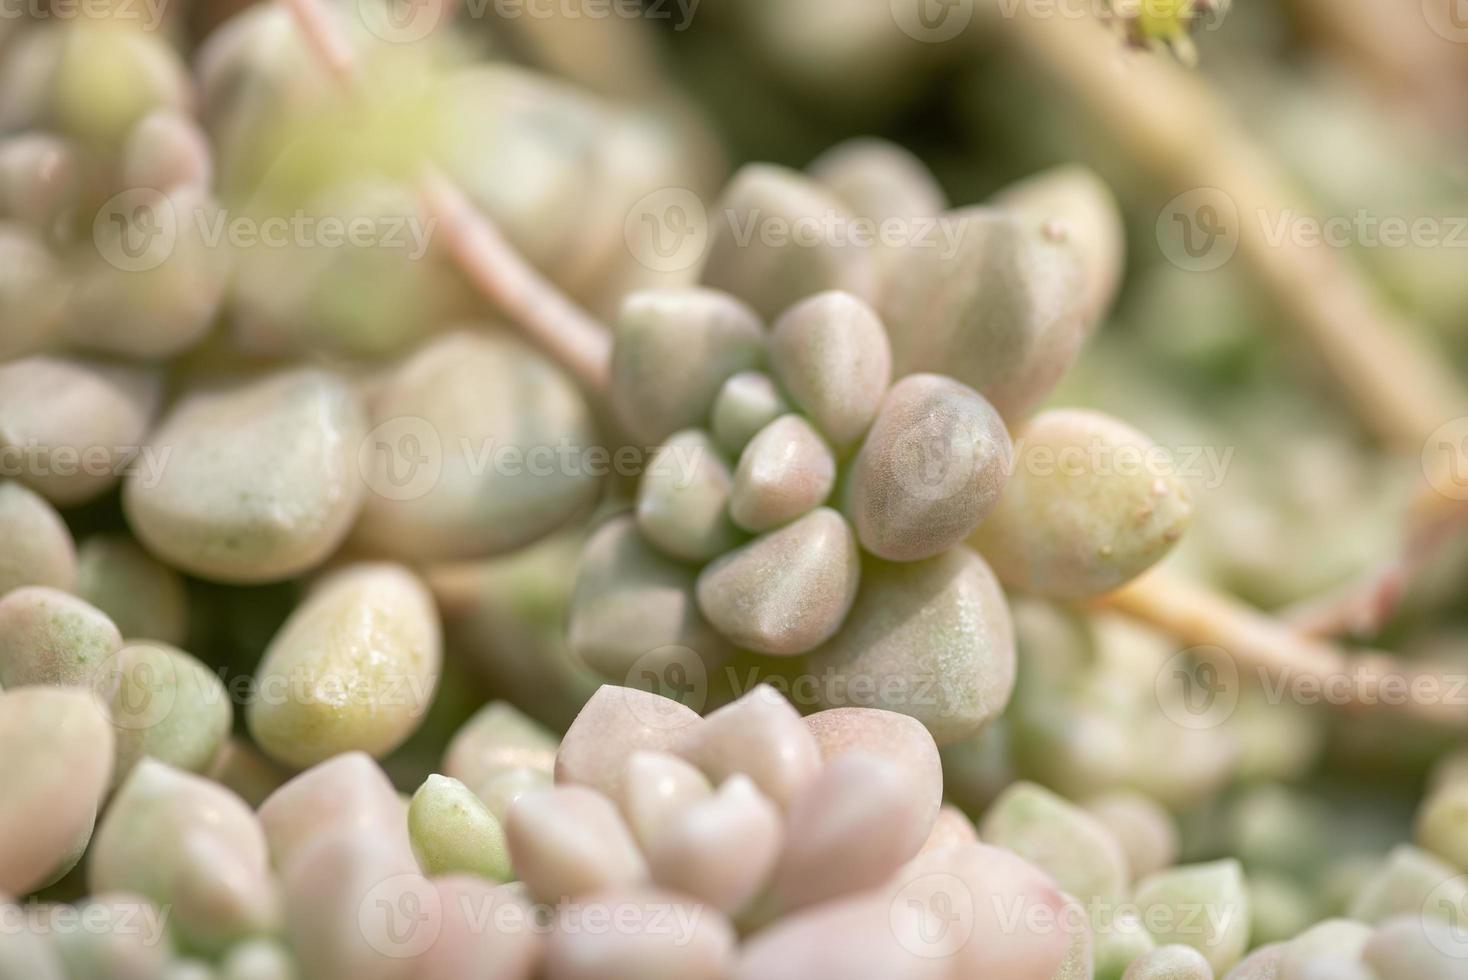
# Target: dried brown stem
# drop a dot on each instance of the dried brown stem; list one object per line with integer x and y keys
{"x": 1170, "y": 123}
{"x": 492, "y": 265}
{"x": 1199, "y": 616}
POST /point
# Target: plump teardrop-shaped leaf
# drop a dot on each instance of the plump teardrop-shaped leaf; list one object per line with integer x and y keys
{"x": 786, "y": 471}
{"x": 674, "y": 350}
{"x": 683, "y": 499}
{"x": 1063, "y": 840}
{"x": 746, "y": 403}
{"x": 932, "y": 465}
{"x": 1085, "y": 209}
{"x": 355, "y": 667}
{"x": 634, "y": 608}
{"x": 931, "y": 639}
{"x": 831, "y": 355}
{"x": 778, "y": 237}
{"x": 479, "y": 447}
{"x": 76, "y": 421}
{"x": 253, "y": 483}
{"x": 1092, "y": 503}
{"x": 787, "y": 591}
{"x": 879, "y": 179}
{"x": 1004, "y": 313}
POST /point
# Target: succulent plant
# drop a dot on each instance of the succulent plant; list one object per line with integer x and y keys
{"x": 793, "y": 462}
{"x": 861, "y": 594}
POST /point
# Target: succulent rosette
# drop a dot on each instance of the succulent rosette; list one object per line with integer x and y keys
{"x": 835, "y": 477}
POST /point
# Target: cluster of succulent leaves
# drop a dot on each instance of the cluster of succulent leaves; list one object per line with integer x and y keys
{"x": 99, "y": 128}
{"x": 833, "y": 422}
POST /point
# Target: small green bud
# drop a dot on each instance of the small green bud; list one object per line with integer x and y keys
{"x": 746, "y": 403}
{"x": 1119, "y": 943}
{"x": 453, "y": 832}
{"x": 1280, "y": 908}
{"x": 1060, "y": 839}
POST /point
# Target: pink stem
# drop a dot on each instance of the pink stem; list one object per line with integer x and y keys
{"x": 569, "y": 334}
